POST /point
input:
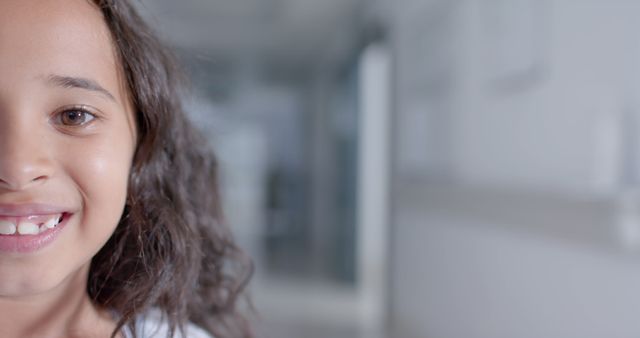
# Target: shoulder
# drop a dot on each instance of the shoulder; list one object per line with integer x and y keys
{"x": 151, "y": 325}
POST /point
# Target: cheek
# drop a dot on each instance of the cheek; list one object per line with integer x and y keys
{"x": 99, "y": 171}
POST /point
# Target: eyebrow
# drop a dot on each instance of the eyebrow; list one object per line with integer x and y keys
{"x": 79, "y": 82}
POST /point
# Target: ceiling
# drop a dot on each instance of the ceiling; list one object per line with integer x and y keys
{"x": 282, "y": 31}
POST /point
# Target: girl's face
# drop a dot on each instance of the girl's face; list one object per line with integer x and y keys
{"x": 67, "y": 139}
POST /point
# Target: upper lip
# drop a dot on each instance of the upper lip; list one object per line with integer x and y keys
{"x": 28, "y": 209}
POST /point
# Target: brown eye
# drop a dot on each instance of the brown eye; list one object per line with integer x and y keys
{"x": 75, "y": 117}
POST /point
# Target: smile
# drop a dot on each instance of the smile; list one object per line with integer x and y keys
{"x": 28, "y": 228}
{"x": 29, "y": 225}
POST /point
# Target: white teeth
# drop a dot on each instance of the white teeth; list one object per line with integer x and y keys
{"x": 50, "y": 224}
{"x": 28, "y": 228}
{"x": 7, "y": 228}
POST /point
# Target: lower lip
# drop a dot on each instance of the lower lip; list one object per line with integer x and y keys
{"x": 31, "y": 243}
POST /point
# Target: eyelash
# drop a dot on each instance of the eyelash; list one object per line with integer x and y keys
{"x": 86, "y": 113}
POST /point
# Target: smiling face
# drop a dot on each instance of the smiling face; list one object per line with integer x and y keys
{"x": 67, "y": 139}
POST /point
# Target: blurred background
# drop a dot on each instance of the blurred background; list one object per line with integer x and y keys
{"x": 425, "y": 168}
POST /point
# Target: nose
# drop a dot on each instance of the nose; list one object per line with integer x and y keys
{"x": 23, "y": 159}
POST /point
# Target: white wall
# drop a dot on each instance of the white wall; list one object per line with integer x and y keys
{"x": 552, "y": 133}
{"x": 475, "y": 263}
{"x": 471, "y": 280}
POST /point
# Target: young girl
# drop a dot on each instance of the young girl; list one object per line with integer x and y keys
{"x": 109, "y": 217}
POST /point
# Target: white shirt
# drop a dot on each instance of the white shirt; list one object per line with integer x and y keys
{"x": 150, "y": 325}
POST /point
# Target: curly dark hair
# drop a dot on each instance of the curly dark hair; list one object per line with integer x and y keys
{"x": 171, "y": 250}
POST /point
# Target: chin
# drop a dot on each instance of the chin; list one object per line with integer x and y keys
{"x": 25, "y": 280}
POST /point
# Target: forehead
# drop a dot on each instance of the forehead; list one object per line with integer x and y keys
{"x": 69, "y": 37}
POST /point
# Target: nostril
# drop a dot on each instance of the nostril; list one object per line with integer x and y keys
{"x": 19, "y": 184}
{"x": 21, "y": 169}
